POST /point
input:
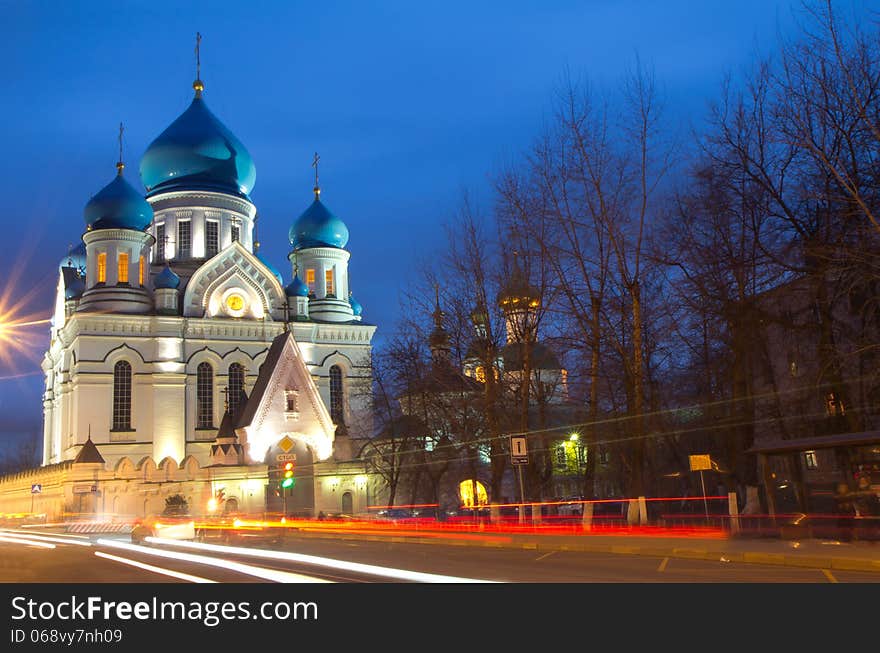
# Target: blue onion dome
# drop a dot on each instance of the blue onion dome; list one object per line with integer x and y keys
{"x": 318, "y": 227}
{"x": 297, "y": 288}
{"x": 356, "y": 307}
{"x": 166, "y": 279}
{"x": 269, "y": 266}
{"x": 198, "y": 152}
{"x": 76, "y": 258}
{"x": 118, "y": 206}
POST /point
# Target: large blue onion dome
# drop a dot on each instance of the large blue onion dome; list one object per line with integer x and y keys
{"x": 166, "y": 279}
{"x": 76, "y": 258}
{"x": 356, "y": 307}
{"x": 118, "y": 206}
{"x": 297, "y": 288}
{"x": 198, "y": 152}
{"x": 318, "y": 227}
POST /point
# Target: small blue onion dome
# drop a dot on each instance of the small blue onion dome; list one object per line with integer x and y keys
{"x": 198, "y": 152}
{"x": 76, "y": 258}
{"x": 118, "y": 206}
{"x": 297, "y": 288}
{"x": 356, "y": 307}
{"x": 272, "y": 269}
{"x": 75, "y": 287}
{"x": 166, "y": 279}
{"x": 318, "y": 227}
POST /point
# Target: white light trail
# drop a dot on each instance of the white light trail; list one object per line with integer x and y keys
{"x": 43, "y": 538}
{"x": 155, "y": 570}
{"x": 389, "y": 572}
{"x": 15, "y": 540}
{"x": 250, "y": 570}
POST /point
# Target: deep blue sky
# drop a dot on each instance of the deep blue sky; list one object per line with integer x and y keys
{"x": 408, "y": 103}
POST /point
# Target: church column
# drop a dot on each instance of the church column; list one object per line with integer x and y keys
{"x": 199, "y": 242}
{"x": 48, "y": 421}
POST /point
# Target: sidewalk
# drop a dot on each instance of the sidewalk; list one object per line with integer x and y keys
{"x": 812, "y": 553}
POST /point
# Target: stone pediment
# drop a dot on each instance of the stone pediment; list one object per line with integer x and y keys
{"x": 234, "y": 283}
{"x": 285, "y": 401}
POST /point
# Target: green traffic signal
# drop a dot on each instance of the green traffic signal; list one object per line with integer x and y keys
{"x": 288, "y": 476}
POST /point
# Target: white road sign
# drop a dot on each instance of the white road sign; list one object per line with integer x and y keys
{"x": 519, "y": 454}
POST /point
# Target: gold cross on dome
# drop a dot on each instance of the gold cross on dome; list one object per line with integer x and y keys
{"x": 317, "y": 188}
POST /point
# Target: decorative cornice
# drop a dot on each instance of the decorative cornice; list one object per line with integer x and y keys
{"x": 132, "y": 235}
{"x": 201, "y": 200}
{"x": 321, "y": 252}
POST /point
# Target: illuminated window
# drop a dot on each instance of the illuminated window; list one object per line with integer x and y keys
{"x": 122, "y": 396}
{"x": 310, "y": 280}
{"x": 212, "y": 238}
{"x": 811, "y": 460}
{"x": 141, "y": 271}
{"x": 123, "y": 268}
{"x": 102, "y": 268}
{"x": 290, "y": 396}
{"x": 480, "y": 374}
{"x": 205, "y": 395}
{"x": 328, "y": 279}
{"x": 833, "y": 405}
{"x": 560, "y": 455}
{"x": 336, "y": 404}
{"x": 236, "y": 387}
{"x": 184, "y": 239}
{"x": 160, "y": 243}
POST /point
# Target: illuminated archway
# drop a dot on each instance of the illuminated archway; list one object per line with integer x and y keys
{"x": 466, "y": 492}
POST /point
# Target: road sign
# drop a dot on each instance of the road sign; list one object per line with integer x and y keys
{"x": 286, "y": 458}
{"x": 84, "y": 489}
{"x": 700, "y": 462}
{"x": 36, "y": 488}
{"x": 519, "y": 454}
{"x": 286, "y": 444}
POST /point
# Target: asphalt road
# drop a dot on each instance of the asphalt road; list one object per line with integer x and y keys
{"x": 86, "y": 561}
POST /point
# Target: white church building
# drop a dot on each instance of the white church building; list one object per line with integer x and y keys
{"x": 179, "y": 359}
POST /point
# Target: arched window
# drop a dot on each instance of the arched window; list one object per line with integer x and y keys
{"x": 205, "y": 395}
{"x": 236, "y": 385}
{"x": 122, "y": 396}
{"x": 336, "y": 399}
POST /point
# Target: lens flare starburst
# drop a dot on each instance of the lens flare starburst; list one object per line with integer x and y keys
{"x": 23, "y": 332}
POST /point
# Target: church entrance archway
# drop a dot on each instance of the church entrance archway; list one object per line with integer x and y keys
{"x": 347, "y": 503}
{"x": 297, "y": 500}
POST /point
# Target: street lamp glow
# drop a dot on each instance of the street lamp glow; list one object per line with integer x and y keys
{"x": 574, "y": 437}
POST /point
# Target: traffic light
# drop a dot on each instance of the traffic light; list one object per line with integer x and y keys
{"x": 287, "y": 479}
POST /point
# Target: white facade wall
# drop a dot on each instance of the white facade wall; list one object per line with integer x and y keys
{"x": 164, "y": 353}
